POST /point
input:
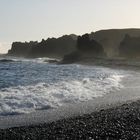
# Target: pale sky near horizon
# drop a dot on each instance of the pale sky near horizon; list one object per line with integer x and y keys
{"x": 25, "y": 20}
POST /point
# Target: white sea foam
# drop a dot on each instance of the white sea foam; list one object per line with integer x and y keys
{"x": 26, "y": 99}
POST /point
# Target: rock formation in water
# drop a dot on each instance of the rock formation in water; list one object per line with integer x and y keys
{"x": 6, "y": 60}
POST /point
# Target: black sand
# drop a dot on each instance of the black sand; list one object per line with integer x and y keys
{"x": 121, "y": 122}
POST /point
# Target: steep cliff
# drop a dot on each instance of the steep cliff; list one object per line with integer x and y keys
{"x": 130, "y": 47}
{"x": 58, "y": 47}
{"x": 52, "y": 47}
{"x": 21, "y": 49}
{"x": 86, "y": 48}
{"x": 110, "y": 39}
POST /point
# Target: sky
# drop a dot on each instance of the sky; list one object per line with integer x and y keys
{"x": 25, "y": 20}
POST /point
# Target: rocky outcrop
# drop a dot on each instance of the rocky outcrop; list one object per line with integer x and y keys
{"x": 87, "y": 45}
{"x": 6, "y": 60}
{"x": 21, "y": 49}
{"x": 95, "y": 44}
{"x": 110, "y": 39}
{"x": 130, "y": 47}
{"x": 86, "y": 48}
{"x": 52, "y": 47}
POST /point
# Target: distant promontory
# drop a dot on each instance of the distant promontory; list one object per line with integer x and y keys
{"x": 110, "y": 43}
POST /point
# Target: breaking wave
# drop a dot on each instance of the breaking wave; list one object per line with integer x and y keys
{"x": 27, "y": 86}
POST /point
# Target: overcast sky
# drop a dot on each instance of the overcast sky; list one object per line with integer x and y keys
{"x": 25, "y": 20}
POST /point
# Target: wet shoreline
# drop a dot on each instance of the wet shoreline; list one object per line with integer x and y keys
{"x": 121, "y": 122}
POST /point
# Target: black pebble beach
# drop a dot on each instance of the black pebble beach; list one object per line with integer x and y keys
{"x": 117, "y": 123}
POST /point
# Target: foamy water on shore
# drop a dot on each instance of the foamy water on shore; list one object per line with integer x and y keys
{"x": 27, "y": 86}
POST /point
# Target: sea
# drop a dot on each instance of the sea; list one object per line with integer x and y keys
{"x": 28, "y": 85}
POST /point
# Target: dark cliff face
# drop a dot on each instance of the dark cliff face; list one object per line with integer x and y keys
{"x": 87, "y": 45}
{"x": 110, "y": 39}
{"x": 86, "y": 48}
{"x": 21, "y": 49}
{"x": 95, "y": 44}
{"x": 130, "y": 47}
{"x": 52, "y": 47}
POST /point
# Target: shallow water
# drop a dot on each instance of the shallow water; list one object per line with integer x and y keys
{"x": 29, "y": 85}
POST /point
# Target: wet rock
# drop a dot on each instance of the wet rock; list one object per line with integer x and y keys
{"x": 6, "y": 60}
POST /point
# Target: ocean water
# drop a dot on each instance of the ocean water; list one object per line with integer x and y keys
{"x": 30, "y": 85}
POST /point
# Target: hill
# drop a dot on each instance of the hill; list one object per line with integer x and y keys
{"x": 111, "y": 39}
{"x": 108, "y": 42}
{"x": 52, "y": 47}
{"x": 130, "y": 47}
